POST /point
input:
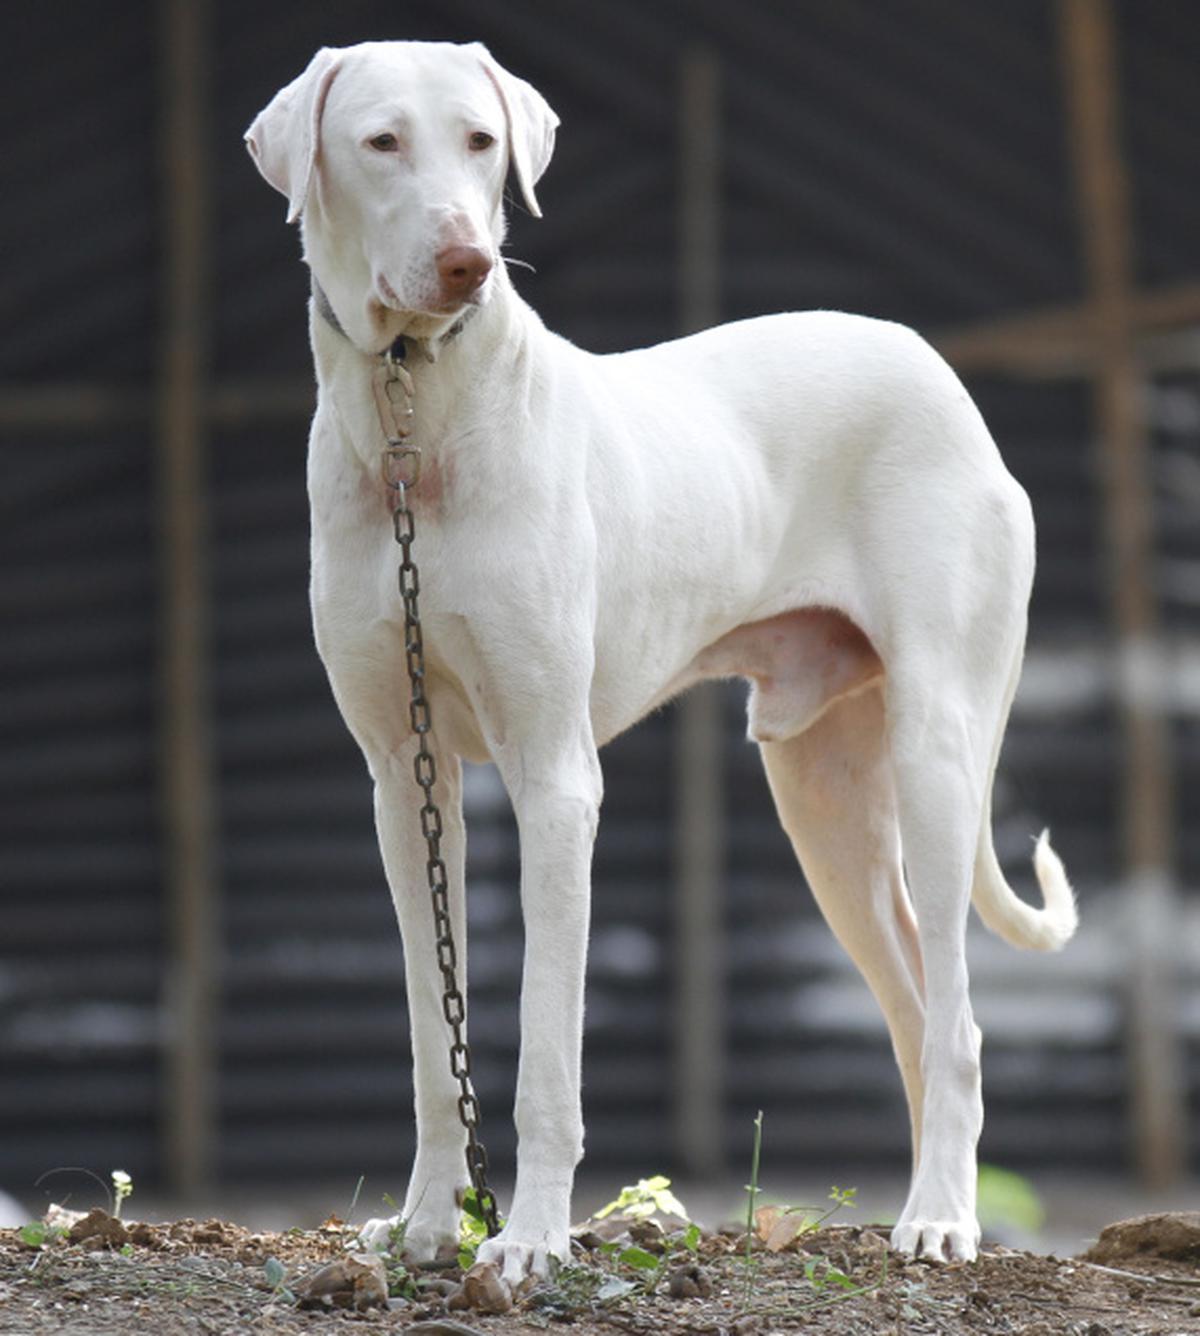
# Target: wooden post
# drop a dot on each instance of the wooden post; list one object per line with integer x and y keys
{"x": 699, "y": 1012}
{"x": 185, "y": 759}
{"x": 1147, "y": 798}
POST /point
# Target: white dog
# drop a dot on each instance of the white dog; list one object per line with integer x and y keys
{"x": 808, "y": 501}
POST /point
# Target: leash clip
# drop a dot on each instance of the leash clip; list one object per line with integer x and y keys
{"x": 392, "y": 387}
{"x": 401, "y": 465}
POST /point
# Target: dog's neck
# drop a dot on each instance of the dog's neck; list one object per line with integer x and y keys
{"x": 477, "y": 382}
{"x": 404, "y": 347}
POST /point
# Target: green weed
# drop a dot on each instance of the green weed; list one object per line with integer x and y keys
{"x": 122, "y": 1188}
{"x": 829, "y": 1283}
{"x": 37, "y": 1234}
{"x": 276, "y": 1276}
{"x": 643, "y": 1199}
{"x": 1008, "y": 1201}
{"x": 472, "y": 1229}
{"x": 752, "y": 1191}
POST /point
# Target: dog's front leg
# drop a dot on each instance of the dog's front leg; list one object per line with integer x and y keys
{"x": 431, "y": 1207}
{"x": 556, "y": 796}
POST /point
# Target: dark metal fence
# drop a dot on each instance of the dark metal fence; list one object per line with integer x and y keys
{"x": 907, "y": 159}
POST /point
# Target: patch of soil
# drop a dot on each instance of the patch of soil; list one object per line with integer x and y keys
{"x": 218, "y": 1279}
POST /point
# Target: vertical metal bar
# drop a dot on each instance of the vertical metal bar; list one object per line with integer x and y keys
{"x": 185, "y": 756}
{"x": 1125, "y": 468}
{"x": 699, "y": 862}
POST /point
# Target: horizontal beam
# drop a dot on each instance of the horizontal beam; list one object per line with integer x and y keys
{"x": 70, "y": 404}
{"x": 86, "y": 404}
{"x": 1056, "y": 341}
{"x": 1061, "y": 340}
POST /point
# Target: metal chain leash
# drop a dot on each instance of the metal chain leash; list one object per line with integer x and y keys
{"x": 393, "y": 388}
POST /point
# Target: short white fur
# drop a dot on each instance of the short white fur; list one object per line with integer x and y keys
{"x": 810, "y": 501}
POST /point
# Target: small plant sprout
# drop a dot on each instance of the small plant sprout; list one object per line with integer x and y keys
{"x": 37, "y": 1234}
{"x": 780, "y": 1226}
{"x": 752, "y": 1191}
{"x": 122, "y": 1188}
{"x": 276, "y": 1274}
{"x": 472, "y": 1229}
{"x": 653, "y": 1269}
{"x": 645, "y": 1198}
{"x": 641, "y": 1201}
{"x": 397, "y": 1233}
{"x": 842, "y": 1197}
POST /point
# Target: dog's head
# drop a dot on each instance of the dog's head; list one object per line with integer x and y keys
{"x": 394, "y": 156}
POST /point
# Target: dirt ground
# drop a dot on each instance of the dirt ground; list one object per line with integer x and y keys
{"x": 216, "y": 1278}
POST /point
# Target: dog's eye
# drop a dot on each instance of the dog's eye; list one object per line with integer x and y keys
{"x": 385, "y": 143}
{"x": 481, "y": 140}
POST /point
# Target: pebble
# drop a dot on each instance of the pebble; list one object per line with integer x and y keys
{"x": 689, "y": 1282}
{"x": 483, "y": 1290}
{"x": 442, "y": 1328}
{"x": 98, "y": 1225}
{"x": 441, "y": 1285}
{"x": 356, "y": 1281}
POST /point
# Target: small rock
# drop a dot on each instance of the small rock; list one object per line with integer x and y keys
{"x": 648, "y": 1234}
{"x": 1173, "y": 1235}
{"x": 211, "y": 1231}
{"x": 99, "y": 1227}
{"x": 483, "y": 1290}
{"x": 62, "y": 1217}
{"x": 445, "y": 1259}
{"x": 611, "y": 1229}
{"x": 440, "y": 1285}
{"x": 872, "y": 1243}
{"x": 689, "y": 1282}
{"x": 356, "y": 1281}
{"x": 442, "y": 1327}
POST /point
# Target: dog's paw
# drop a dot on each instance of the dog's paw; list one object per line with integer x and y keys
{"x": 519, "y": 1265}
{"x": 411, "y": 1239}
{"x": 937, "y": 1240}
{"x": 381, "y": 1235}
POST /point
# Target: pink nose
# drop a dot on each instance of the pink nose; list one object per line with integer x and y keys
{"x": 461, "y": 271}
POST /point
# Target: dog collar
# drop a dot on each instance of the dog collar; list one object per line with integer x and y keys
{"x": 403, "y": 345}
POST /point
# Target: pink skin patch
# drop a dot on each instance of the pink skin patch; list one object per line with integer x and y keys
{"x": 799, "y": 662}
{"x": 427, "y": 497}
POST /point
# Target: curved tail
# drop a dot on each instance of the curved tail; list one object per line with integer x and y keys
{"x": 1008, "y": 916}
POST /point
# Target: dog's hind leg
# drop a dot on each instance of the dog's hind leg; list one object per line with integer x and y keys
{"x": 942, "y": 735}
{"x": 834, "y": 792}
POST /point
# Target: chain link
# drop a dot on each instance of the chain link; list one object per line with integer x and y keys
{"x": 393, "y": 389}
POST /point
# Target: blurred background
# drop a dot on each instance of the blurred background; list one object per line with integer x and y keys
{"x": 200, "y": 977}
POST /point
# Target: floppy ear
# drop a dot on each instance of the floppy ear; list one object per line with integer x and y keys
{"x": 531, "y": 125}
{"x": 284, "y": 137}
